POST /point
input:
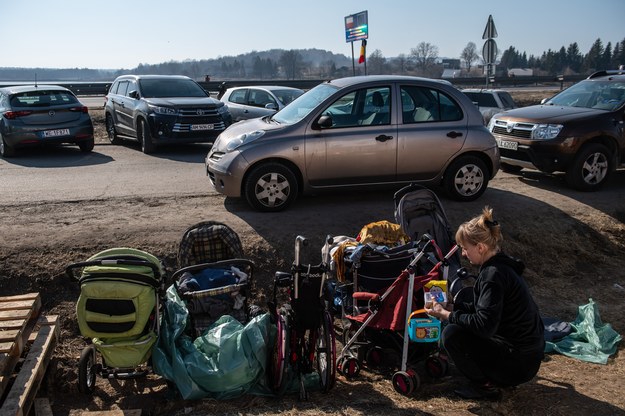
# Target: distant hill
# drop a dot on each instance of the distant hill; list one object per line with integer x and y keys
{"x": 253, "y": 65}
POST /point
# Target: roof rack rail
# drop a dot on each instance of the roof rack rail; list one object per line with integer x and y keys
{"x": 606, "y": 72}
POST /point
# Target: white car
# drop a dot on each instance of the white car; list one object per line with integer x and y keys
{"x": 490, "y": 102}
{"x": 258, "y": 101}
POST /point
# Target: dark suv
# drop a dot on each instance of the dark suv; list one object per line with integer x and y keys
{"x": 578, "y": 131}
{"x": 162, "y": 109}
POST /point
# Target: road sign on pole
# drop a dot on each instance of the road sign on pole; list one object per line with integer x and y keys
{"x": 490, "y": 31}
{"x": 489, "y": 51}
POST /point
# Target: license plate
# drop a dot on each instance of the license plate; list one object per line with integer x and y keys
{"x": 56, "y": 133}
{"x": 506, "y": 144}
{"x": 202, "y": 127}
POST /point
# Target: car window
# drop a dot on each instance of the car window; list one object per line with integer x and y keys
{"x": 42, "y": 98}
{"x": 122, "y": 88}
{"x": 482, "y": 99}
{"x": 364, "y": 107}
{"x": 132, "y": 86}
{"x": 507, "y": 100}
{"x": 603, "y": 95}
{"x": 238, "y": 96}
{"x": 422, "y": 104}
{"x": 164, "y": 88}
{"x": 286, "y": 96}
{"x": 260, "y": 98}
{"x": 304, "y": 104}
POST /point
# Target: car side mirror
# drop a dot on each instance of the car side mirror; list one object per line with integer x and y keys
{"x": 325, "y": 122}
{"x": 134, "y": 94}
{"x": 271, "y": 106}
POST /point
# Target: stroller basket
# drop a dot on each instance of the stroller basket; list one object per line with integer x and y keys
{"x": 211, "y": 290}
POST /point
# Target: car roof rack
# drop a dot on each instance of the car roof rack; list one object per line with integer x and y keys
{"x": 606, "y": 72}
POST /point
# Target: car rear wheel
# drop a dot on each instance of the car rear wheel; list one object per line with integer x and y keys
{"x": 270, "y": 187}
{"x": 145, "y": 138}
{"x": 111, "y": 131}
{"x": 5, "y": 149}
{"x": 86, "y": 146}
{"x": 466, "y": 178}
{"x": 590, "y": 169}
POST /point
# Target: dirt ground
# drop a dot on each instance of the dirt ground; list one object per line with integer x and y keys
{"x": 572, "y": 243}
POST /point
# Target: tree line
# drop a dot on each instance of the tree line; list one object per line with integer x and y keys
{"x": 422, "y": 60}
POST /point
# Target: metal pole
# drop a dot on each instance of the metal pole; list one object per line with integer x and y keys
{"x": 353, "y": 63}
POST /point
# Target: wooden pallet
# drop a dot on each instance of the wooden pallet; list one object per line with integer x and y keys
{"x": 21, "y": 325}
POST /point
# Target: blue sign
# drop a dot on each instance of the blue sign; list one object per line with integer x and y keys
{"x": 356, "y": 27}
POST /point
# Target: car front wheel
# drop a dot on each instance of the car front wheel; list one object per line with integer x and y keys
{"x": 145, "y": 138}
{"x": 270, "y": 187}
{"x": 466, "y": 178}
{"x": 590, "y": 169}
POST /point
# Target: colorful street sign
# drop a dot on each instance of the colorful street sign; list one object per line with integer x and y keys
{"x": 356, "y": 26}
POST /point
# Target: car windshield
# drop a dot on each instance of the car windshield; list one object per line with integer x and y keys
{"x": 603, "y": 95}
{"x": 304, "y": 104}
{"x": 286, "y": 96}
{"x": 42, "y": 98}
{"x": 164, "y": 88}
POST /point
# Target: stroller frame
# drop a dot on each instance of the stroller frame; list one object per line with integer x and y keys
{"x": 305, "y": 332}
{"x": 108, "y": 342}
{"x": 405, "y": 380}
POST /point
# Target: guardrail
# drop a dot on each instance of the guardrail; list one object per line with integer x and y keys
{"x": 101, "y": 88}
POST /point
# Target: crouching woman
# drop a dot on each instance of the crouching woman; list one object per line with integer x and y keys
{"x": 497, "y": 340}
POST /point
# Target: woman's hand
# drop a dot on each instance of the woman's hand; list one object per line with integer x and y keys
{"x": 439, "y": 311}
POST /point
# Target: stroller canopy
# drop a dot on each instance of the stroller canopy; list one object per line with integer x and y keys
{"x": 208, "y": 242}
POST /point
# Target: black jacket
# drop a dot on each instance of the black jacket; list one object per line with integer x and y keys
{"x": 503, "y": 308}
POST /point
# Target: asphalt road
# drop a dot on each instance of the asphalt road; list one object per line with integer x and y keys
{"x": 66, "y": 174}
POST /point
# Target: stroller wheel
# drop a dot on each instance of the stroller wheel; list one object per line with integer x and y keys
{"x": 87, "y": 370}
{"x": 436, "y": 367}
{"x": 374, "y": 357}
{"x": 349, "y": 367}
{"x": 406, "y": 382}
{"x": 279, "y": 356}
{"x": 325, "y": 352}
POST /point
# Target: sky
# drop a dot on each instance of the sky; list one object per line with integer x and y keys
{"x": 116, "y": 34}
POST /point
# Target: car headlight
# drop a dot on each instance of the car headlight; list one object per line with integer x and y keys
{"x": 223, "y": 109}
{"x": 244, "y": 139}
{"x": 546, "y": 131}
{"x": 163, "y": 110}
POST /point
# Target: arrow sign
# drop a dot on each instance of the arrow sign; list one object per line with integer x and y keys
{"x": 490, "y": 31}
{"x": 489, "y": 51}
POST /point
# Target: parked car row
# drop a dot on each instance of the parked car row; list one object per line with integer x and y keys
{"x": 271, "y": 143}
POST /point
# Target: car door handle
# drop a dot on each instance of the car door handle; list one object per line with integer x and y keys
{"x": 454, "y": 134}
{"x": 382, "y": 138}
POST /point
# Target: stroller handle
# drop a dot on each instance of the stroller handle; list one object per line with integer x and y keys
{"x": 112, "y": 262}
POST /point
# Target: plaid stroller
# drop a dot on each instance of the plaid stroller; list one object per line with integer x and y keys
{"x": 214, "y": 278}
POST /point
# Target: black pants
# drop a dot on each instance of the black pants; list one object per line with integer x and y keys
{"x": 483, "y": 359}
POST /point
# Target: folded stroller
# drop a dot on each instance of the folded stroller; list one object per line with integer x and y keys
{"x": 419, "y": 211}
{"x": 214, "y": 278}
{"x": 380, "y": 328}
{"x": 118, "y": 309}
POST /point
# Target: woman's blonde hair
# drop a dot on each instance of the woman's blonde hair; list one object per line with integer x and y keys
{"x": 481, "y": 229}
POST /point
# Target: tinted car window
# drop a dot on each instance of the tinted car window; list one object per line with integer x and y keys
{"x": 483, "y": 100}
{"x": 365, "y": 107}
{"x": 507, "y": 100}
{"x": 42, "y": 98}
{"x": 421, "y": 105}
{"x": 122, "y": 88}
{"x": 259, "y": 98}
{"x": 163, "y": 88}
{"x": 238, "y": 96}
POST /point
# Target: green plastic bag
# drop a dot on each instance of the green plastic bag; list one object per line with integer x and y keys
{"x": 591, "y": 340}
{"x": 227, "y": 361}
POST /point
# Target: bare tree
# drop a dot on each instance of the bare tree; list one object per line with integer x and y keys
{"x": 291, "y": 62}
{"x": 377, "y": 62}
{"x": 400, "y": 64}
{"x": 469, "y": 55}
{"x": 424, "y": 56}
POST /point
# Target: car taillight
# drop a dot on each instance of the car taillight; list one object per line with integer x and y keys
{"x": 82, "y": 109}
{"x": 12, "y": 115}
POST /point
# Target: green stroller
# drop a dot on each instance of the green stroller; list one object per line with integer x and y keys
{"x": 118, "y": 310}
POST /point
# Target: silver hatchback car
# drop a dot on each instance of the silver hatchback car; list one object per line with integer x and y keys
{"x": 357, "y": 132}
